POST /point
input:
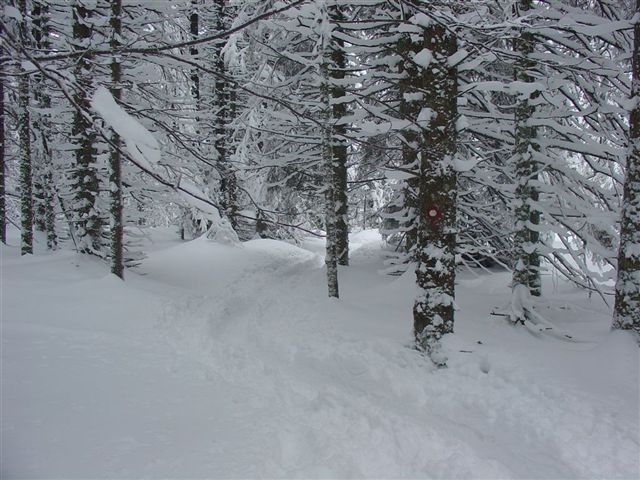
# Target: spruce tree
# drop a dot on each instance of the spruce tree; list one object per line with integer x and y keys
{"x": 526, "y": 255}
{"x": 329, "y": 167}
{"x": 24, "y": 134}
{"x": 115, "y": 161}
{"x": 3, "y": 207}
{"x": 627, "y": 302}
{"x": 433, "y": 310}
{"x": 43, "y": 185}
{"x": 338, "y": 79}
{"x": 85, "y": 175}
{"x": 223, "y": 112}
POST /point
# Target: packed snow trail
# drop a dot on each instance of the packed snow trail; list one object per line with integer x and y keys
{"x": 223, "y": 361}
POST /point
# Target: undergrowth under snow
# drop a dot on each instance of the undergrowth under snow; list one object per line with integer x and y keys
{"x": 228, "y": 361}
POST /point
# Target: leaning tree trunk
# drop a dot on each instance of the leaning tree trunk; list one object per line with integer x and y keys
{"x": 627, "y": 303}
{"x": 339, "y": 142}
{"x": 433, "y": 310}
{"x": 526, "y": 253}
{"x": 24, "y": 135}
{"x": 115, "y": 160}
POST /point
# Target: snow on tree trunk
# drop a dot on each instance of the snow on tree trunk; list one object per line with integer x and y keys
{"x": 50, "y": 213}
{"x": 85, "y": 175}
{"x": 24, "y": 134}
{"x": 189, "y": 226}
{"x": 409, "y": 108}
{"x": 222, "y": 232}
{"x": 328, "y": 165}
{"x": 194, "y": 29}
{"x": 43, "y": 184}
{"x": 338, "y": 91}
{"x": 223, "y": 113}
{"x": 527, "y": 237}
{"x": 115, "y": 161}
{"x": 433, "y": 310}
{"x": 627, "y": 303}
{"x": 3, "y": 208}
{"x": 331, "y": 256}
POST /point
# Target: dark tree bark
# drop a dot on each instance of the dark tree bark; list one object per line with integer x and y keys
{"x": 627, "y": 303}
{"x": 24, "y": 134}
{"x": 85, "y": 182}
{"x": 38, "y": 123}
{"x": 331, "y": 250}
{"x": 223, "y": 107}
{"x": 3, "y": 208}
{"x": 115, "y": 161}
{"x": 339, "y": 142}
{"x": 188, "y": 225}
{"x": 194, "y": 29}
{"x": 330, "y": 179}
{"x": 43, "y": 184}
{"x": 410, "y": 105}
{"x": 526, "y": 253}
{"x": 433, "y": 310}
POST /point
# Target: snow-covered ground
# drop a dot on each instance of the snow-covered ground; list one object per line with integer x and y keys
{"x": 217, "y": 361}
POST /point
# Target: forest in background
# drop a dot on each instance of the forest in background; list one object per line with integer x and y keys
{"x": 472, "y": 133}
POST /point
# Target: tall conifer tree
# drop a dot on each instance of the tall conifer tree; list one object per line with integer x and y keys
{"x": 627, "y": 303}
{"x": 24, "y": 134}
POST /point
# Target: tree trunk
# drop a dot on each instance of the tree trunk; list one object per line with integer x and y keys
{"x": 433, "y": 310}
{"x": 327, "y": 149}
{"x": 39, "y": 160}
{"x": 24, "y": 134}
{"x": 527, "y": 237}
{"x": 627, "y": 303}
{"x": 331, "y": 254}
{"x": 115, "y": 161}
{"x": 85, "y": 175}
{"x": 223, "y": 115}
{"x": 50, "y": 213}
{"x": 405, "y": 212}
{"x": 3, "y": 208}
{"x": 339, "y": 142}
{"x": 194, "y": 29}
{"x": 44, "y": 188}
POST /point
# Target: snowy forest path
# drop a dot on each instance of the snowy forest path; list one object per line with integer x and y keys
{"x": 229, "y": 361}
{"x": 326, "y": 379}
{"x": 333, "y": 367}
